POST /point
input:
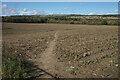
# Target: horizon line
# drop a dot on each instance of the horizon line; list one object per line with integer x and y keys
{"x": 61, "y": 15}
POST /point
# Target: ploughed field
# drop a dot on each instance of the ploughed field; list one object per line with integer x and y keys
{"x": 83, "y": 51}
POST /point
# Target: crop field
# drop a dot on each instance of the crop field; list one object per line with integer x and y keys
{"x": 60, "y": 50}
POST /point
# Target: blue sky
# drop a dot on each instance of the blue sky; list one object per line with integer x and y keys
{"x": 52, "y": 8}
{"x": 60, "y": 0}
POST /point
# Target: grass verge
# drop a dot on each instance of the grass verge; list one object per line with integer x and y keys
{"x": 13, "y": 64}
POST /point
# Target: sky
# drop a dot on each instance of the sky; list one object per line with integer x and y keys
{"x": 58, "y": 8}
{"x": 60, "y": 0}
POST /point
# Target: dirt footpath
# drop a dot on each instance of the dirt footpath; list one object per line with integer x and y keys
{"x": 65, "y": 51}
{"x": 48, "y": 64}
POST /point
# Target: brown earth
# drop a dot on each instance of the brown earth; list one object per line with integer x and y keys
{"x": 65, "y": 50}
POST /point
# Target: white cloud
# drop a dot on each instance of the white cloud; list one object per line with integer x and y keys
{"x": 25, "y": 9}
{"x": 81, "y": 3}
{"x": 13, "y": 11}
{"x": 108, "y": 12}
{"x": 116, "y": 10}
{"x": 8, "y": 11}
{"x": 4, "y": 6}
{"x": 33, "y": 12}
{"x": 101, "y": 13}
{"x": 90, "y": 13}
{"x": 65, "y": 8}
{"x": 51, "y": 13}
{"x": 26, "y": 12}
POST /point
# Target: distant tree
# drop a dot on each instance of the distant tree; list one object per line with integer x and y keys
{"x": 104, "y": 22}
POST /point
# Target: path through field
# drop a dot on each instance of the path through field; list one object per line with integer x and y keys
{"x": 48, "y": 63}
{"x": 64, "y": 50}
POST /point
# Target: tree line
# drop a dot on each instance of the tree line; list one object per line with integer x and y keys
{"x": 64, "y": 19}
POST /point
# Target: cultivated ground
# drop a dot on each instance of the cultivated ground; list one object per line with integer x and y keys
{"x": 65, "y": 50}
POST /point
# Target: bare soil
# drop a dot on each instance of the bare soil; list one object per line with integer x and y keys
{"x": 66, "y": 50}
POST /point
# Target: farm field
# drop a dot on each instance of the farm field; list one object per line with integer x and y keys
{"x": 63, "y": 50}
